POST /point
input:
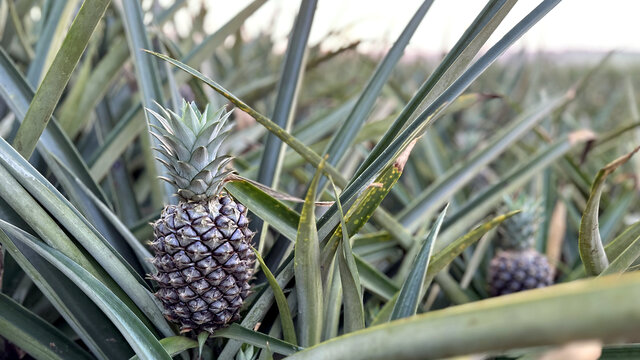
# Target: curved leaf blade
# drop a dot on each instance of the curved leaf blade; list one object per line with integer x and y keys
{"x": 477, "y": 207}
{"x": 412, "y": 289}
{"x": 288, "y": 88}
{"x": 451, "y": 66}
{"x": 307, "y": 270}
{"x": 174, "y": 345}
{"x": 272, "y": 211}
{"x": 416, "y": 127}
{"x": 130, "y": 326}
{"x": 346, "y": 133}
{"x": 17, "y": 94}
{"x": 96, "y": 331}
{"x": 288, "y": 328}
{"x": 103, "y": 253}
{"x": 422, "y": 207}
{"x": 349, "y": 277}
{"x": 590, "y": 245}
{"x": 50, "y": 90}
{"x": 553, "y": 315}
{"x": 148, "y": 78}
{"x": 237, "y": 332}
{"x": 35, "y": 336}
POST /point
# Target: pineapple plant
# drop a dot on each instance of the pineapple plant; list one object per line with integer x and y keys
{"x": 75, "y": 214}
{"x": 202, "y": 245}
{"x": 517, "y": 266}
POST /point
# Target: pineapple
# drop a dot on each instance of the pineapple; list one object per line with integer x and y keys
{"x": 517, "y": 266}
{"x": 202, "y": 245}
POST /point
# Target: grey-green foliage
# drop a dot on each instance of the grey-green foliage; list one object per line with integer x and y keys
{"x": 66, "y": 220}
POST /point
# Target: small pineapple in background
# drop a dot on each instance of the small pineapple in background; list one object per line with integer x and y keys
{"x": 517, "y": 266}
{"x": 202, "y": 245}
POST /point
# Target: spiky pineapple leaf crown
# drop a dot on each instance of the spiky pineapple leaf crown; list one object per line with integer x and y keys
{"x": 189, "y": 145}
{"x": 518, "y": 232}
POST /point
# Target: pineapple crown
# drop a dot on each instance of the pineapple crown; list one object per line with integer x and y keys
{"x": 518, "y": 232}
{"x": 189, "y": 144}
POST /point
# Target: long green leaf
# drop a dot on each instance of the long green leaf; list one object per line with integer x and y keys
{"x": 82, "y": 315}
{"x": 422, "y": 207}
{"x": 592, "y": 251}
{"x": 254, "y": 338}
{"x": 17, "y": 94}
{"x": 114, "y": 223}
{"x": 415, "y": 128}
{"x": 57, "y": 77}
{"x": 625, "y": 260}
{"x": 349, "y": 277}
{"x": 34, "y": 335}
{"x": 76, "y": 115}
{"x": 116, "y": 142}
{"x": 286, "y": 100}
{"x": 375, "y": 281}
{"x": 554, "y": 315}
{"x": 50, "y": 38}
{"x": 280, "y": 216}
{"x": 308, "y": 154}
{"x": 174, "y": 345}
{"x": 443, "y": 258}
{"x": 364, "y": 207}
{"x": 148, "y": 78}
{"x": 346, "y": 133}
{"x": 205, "y": 48}
{"x": 105, "y": 222}
{"x": 307, "y": 270}
{"x": 451, "y": 67}
{"x": 411, "y": 292}
{"x": 288, "y": 329}
{"x": 131, "y": 327}
{"x": 288, "y": 88}
{"x": 477, "y": 207}
{"x": 85, "y": 234}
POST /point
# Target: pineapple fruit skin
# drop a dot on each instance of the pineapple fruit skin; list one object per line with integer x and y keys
{"x": 514, "y": 271}
{"x": 517, "y": 266}
{"x": 204, "y": 262}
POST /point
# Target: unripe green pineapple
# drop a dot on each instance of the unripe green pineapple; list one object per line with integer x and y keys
{"x": 517, "y": 266}
{"x": 202, "y": 245}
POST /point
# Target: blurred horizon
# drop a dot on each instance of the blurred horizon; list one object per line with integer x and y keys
{"x": 376, "y": 25}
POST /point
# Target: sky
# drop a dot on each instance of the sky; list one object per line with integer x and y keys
{"x": 591, "y": 25}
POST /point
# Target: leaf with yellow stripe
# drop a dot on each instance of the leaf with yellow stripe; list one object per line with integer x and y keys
{"x": 364, "y": 206}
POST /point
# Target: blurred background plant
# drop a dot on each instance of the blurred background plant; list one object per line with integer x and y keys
{"x": 75, "y": 218}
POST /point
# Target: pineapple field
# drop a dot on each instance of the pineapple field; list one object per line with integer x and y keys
{"x": 217, "y": 195}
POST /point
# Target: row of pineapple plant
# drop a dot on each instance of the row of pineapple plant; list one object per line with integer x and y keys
{"x": 86, "y": 276}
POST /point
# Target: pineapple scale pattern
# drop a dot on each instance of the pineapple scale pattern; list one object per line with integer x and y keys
{"x": 204, "y": 262}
